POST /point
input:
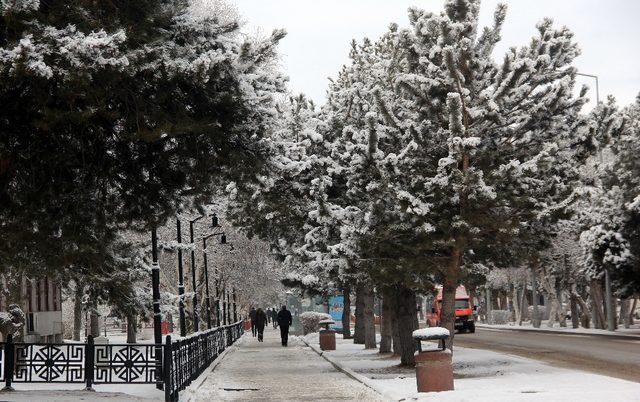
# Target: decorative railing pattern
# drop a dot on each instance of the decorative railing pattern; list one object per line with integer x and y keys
{"x": 52, "y": 362}
{"x": 182, "y": 361}
{"x": 125, "y": 363}
{"x": 186, "y": 358}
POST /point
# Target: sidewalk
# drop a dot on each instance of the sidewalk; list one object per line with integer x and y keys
{"x": 481, "y": 376}
{"x": 267, "y": 371}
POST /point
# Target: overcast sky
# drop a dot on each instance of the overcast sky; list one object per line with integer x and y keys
{"x": 319, "y": 33}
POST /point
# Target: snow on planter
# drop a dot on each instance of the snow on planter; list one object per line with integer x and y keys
{"x": 427, "y": 334}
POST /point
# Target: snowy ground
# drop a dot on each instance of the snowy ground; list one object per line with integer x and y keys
{"x": 76, "y": 392}
{"x": 634, "y": 330}
{"x": 267, "y": 371}
{"x": 483, "y": 376}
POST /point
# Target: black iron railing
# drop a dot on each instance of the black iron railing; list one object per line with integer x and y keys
{"x": 89, "y": 363}
{"x": 186, "y": 358}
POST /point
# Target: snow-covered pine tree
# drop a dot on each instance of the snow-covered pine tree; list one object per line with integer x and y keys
{"x": 474, "y": 138}
{"x": 610, "y": 238}
{"x": 115, "y": 114}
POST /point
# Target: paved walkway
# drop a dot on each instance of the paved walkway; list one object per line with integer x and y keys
{"x": 269, "y": 372}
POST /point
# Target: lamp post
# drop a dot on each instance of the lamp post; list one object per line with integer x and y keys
{"x": 155, "y": 283}
{"x": 196, "y": 320}
{"x": 229, "y": 306}
{"x": 217, "y": 300}
{"x": 608, "y": 302}
{"x": 224, "y": 304}
{"x": 223, "y": 240}
{"x": 183, "y": 324}
{"x": 235, "y": 310}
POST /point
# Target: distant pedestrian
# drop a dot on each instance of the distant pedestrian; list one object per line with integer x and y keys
{"x": 284, "y": 321}
{"x": 261, "y": 321}
{"x": 274, "y": 317}
{"x": 268, "y": 313}
{"x": 252, "y": 316}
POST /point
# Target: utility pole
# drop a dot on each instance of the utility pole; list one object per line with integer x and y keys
{"x": 608, "y": 299}
{"x": 206, "y": 281}
{"x": 196, "y": 321}
{"x": 235, "y": 310}
{"x": 223, "y": 240}
{"x": 157, "y": 322}
{"x": 183, "y": 324}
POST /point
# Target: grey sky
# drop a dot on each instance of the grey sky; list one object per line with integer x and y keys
{"x": 320, "y": 31}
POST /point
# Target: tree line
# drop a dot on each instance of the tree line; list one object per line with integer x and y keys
{"x": 435, "y": 162}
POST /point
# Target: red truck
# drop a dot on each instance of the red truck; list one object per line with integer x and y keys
{"x": 465, "y": 318}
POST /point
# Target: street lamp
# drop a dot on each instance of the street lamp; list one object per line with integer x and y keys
{"x": 608, "y": 302}
{"x": 183, "y": 325}
{"x": 155, "y": 284}
{"x": 597, "y": 86}
{"x": 223, "y": 240}
{"x": 196, "y": 320}
{"x": 235, "y": 311}
{"x": 228, "y": 307}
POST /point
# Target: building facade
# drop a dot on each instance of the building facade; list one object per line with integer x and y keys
{"x": 41, "y": 301}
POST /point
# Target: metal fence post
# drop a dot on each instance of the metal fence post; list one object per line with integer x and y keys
{"x": 89, "y": 360}
{"x": 9, "y": 362}
{"x": 166, "y": 372}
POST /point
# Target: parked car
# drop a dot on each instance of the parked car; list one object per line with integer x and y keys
{"x": 465, "y": 317}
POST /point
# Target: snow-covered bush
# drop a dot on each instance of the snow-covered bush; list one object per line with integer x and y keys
{"x": 499, "y": 317}
{"x": 311, "y": 321}
{"x": 543, "y": 312}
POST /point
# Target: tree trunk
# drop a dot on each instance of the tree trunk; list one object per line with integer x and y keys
{"x": 94, "y": 327}
{"x": 597, "y": 304}
{"x": 77, "y": 310}
{"x": 346, "y": 313}
{"x": 575, "y": 320}
{"x": 369, "y": 319}
{"x": 632, "y": 311}
{"x": 516, "y": 303}
{"x": 405, "y": 313}
{"x": 522, "y": 302}
{"x": 358, "y": 333}
{"x": 448, "y": 309}
{"x": 395, "y": 327}
{"x": 386, "y": 325}
{"x": 489, "y": 306}
{"x": 584, "y": 309}
{"x": 131, "y": 328}
{"x": 624, "y": 312}
{"x": 535, "y": 319}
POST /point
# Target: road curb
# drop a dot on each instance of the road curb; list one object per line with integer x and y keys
{"x": 543, "y": 331}
{"x": 350, "y": 373}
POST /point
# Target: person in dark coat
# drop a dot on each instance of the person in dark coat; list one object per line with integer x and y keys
{"x": 284, "y": 321}
{"x": 274, "y": 317}
{"x": 261, "y": 322}
{"x": 252, "y": 316}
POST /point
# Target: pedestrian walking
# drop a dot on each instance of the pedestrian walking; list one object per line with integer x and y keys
{"x": 274, "y": 317}
{"x": 261, "y": 322}
{"x": 284, "y": 321}
{"x": 252, "y": 316}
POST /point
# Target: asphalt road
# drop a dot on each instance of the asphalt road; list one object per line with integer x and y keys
{"x": 612, "y": 356}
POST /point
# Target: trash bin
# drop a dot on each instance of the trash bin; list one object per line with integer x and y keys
{"x": 246, "y": 325}
{"x": 327, "y": 336}
{"x": 434, "y": 372}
